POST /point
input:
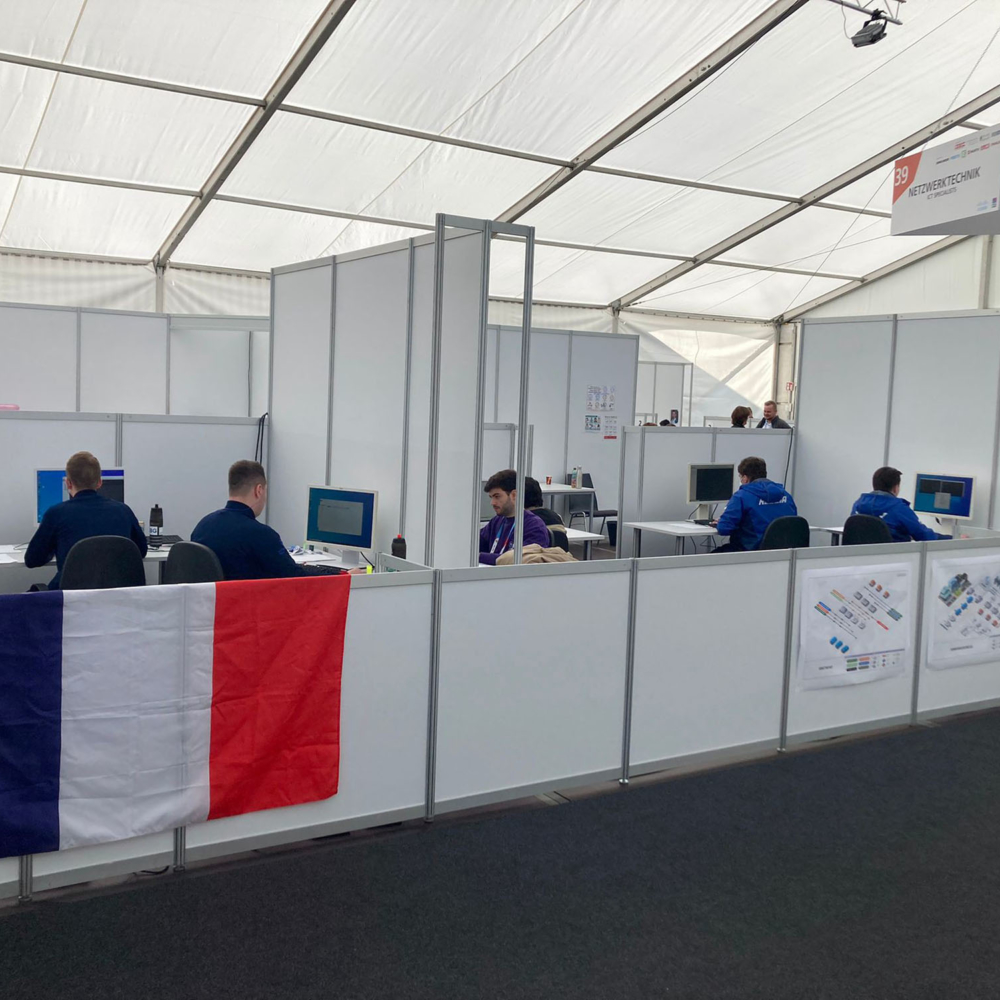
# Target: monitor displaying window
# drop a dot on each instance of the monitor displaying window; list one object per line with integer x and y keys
{"x": 50, "y": 488}
{"x": 945, "y": 496}
{"x": 710, "y": 483}
{"x": 341, "y": 517}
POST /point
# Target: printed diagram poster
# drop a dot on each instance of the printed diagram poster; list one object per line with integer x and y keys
{"x": 610, "y": 428}
{"x": 963, "y": 617}
{"x": 601, "y": 398}
{"x": 854, "y": 625}
{"x": 593, "y": 423}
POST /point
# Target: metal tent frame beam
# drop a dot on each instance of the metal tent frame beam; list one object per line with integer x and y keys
{"x": 885, "y": 157}
{"x": 327, "y": 23}
{"x": 748, "y": 35}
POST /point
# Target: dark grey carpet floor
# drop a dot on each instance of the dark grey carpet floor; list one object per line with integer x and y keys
{"x": 865, "y": 869}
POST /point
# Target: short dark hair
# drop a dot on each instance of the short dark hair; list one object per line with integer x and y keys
{"x": 771, "y": 402}
{"x": 741, "y": 415}
{"x": 886, "y": 479}
{"x": 753, "y": 468}
{"x": 666, "y": 423}
{"x": 532, "y": 493}
{"x": 245, "y": 475}
{"x": 83, "y": 471}
{"x": 505, "y": 480}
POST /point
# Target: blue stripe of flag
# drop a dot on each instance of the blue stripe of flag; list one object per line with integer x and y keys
{"x": 30, "y": 721}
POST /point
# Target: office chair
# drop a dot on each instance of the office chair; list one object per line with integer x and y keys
{"x": 786, "y": 533}
{"x": 580, "y": 506}
{"x": 558, "y": 539}
{"x": 861, "y": 529}
{"x": 191, "y": 562}
{"x": 103, "y": 562}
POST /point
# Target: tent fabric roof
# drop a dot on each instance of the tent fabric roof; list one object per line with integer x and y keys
{"x": 115, "y": 115}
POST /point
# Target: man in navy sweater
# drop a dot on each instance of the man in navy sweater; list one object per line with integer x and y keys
{"x": 247, "y": 548}
{"x": 84, "y": 515}
{"x": 497, "y": 535}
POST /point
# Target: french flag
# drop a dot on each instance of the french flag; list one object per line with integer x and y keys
{"x": 127, "y": 712}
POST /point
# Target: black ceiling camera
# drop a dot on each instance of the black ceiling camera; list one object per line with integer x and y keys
{"x": 872, "y": 32}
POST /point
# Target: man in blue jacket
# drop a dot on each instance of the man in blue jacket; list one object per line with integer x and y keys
{"x": 884, "y": 503}
{"x": 497, "y": 535}
{"x": 247, "y": 548}
{"x": 753, "y": 507}
{"x": 84, "y": 515}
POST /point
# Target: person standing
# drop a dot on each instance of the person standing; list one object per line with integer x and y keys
{"x": 771, "y": 418}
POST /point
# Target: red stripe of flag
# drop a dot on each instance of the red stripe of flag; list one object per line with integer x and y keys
{"x": 279, "y": 650}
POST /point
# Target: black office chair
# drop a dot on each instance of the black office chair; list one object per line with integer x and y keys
{"x": 861, "y": 529}
{"x": 191, "y": 562}
{"x": 103, "y": 562}
{"x": 786, "y": 533}
{"x": 558, "y": 539}
{"x": 580, "y": 506}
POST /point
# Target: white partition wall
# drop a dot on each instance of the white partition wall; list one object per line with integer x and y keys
{"x": 699, "y": 688}
{"x": 538, "y": 706}
{"x": 40, "y": 363}
{"x": 123, "y": 360}
{"x": 301, "y": 310}
{"x": 663, "y": 386}
{"x": 31, "y": 441}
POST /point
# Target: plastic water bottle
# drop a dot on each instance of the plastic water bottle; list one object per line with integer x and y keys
{"x": 399, "y": 547}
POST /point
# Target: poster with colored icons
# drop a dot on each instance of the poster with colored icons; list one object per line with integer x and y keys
{"x": 855, "y": 625}
{"x": 964, "y": 612}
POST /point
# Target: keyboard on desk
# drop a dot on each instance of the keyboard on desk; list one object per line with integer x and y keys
{"x": 701, "y": 520}
{"x": 321, "y": 569}
{"x": 157, "y": 540}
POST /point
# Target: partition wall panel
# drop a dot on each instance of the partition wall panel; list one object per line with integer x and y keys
{"x": 531, "y": 678}
{"x": 123, "y": 362}
{"x": 829, "y": 710}
{"x": 732, "y": 445}
{"x": 944, "y": 402}
{"x": 302, "y": 303}
{"x": 210, "y": 372}
{"x": 38, "y": 347}
{"x": 370, "y": 316}
{"x": 548, "y": 382}
{"x": 842, "y": 405}
{"x": 709, "y": 651}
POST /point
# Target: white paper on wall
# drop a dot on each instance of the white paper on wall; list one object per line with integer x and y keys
{"x": 963, "y": 612}
{"x": 601, "y": 398}
{"x": 854, "y": 625}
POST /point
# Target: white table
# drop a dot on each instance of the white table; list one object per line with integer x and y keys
{"x": 587, "y": 537}
{"x": 835, "y": 532}
{"x": 554, "y": 490}
{"x": 678, "y": 529}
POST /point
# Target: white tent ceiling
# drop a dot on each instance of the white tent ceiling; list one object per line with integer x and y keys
{"x": 639, "y": 137}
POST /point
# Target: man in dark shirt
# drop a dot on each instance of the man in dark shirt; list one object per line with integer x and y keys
{"x": 84, "y": 515}
{"x": 247, "y": 548}
{"x": 497, "y": 535}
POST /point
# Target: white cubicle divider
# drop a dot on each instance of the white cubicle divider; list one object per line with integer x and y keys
{"x": 499, "y": 442}
{"x": 709, "y": 654}
{"x": 655, "y": 471}
{"x": 32, "y": 440}
{"x": 383, "y": 736}
{"x": 968, "y": 685}
{"x": 831, "y": 711}
{"x": 40, "y": 359}
{"x": 181, "y": 463}
{"x": 663, "y": 386}
{"x": 531, "y": 679}
{"x": 915, "y": 392}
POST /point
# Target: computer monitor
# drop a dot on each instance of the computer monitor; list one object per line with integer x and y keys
{"x": 710, "y": 483}
{"x": 341, "y": 520}
{"x": 948, "y": 497}
{"x": 50, "y": 488}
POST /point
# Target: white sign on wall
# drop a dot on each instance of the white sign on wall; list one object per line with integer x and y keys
{"x": 964, "y": 612}
{"x": 949, "y": 189}
{"x": 854, "y": 625}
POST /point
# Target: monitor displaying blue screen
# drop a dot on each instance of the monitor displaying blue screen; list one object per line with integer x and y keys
{"x": 341, "y": 517}
{"x": 945, "y": 496}
{"x": 51, "y": 488}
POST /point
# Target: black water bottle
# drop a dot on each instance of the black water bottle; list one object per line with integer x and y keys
{"x": 399, "y": 547}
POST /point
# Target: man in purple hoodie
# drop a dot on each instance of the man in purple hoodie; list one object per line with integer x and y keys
{"x": 497, "y": 535}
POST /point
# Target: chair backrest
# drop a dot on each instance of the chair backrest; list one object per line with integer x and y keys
{"x": 862, "y": 529}
{"x": 558, "y": 539}
{"x": 102, "y": 562}
{"x": 786, "y": 533}
{"x": 192, "y": 562}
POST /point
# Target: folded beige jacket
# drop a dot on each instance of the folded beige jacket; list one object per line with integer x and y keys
{"x": 536, "y": 554}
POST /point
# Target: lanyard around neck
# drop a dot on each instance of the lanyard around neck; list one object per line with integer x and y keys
{"x": 510, "y": 537}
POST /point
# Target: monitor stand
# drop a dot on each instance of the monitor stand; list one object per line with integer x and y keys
{"x": 949, "y": 526}
{"x": 703, "y": 512}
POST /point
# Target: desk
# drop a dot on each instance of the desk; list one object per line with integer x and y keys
{"x": 679, "y": 529}
{"x": 834, "y": 533}
{"x": 587, "y": 537}
{"x": 554, "y": 490}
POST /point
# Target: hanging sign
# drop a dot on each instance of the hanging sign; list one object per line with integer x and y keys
{"x": 949, "y": 189}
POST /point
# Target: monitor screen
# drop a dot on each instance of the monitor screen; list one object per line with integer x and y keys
{"x": 710, "y": 483}
{"x": 50, "y": 488}
{"x": 945, "y": 496}
{"x": 342, "y": 517}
